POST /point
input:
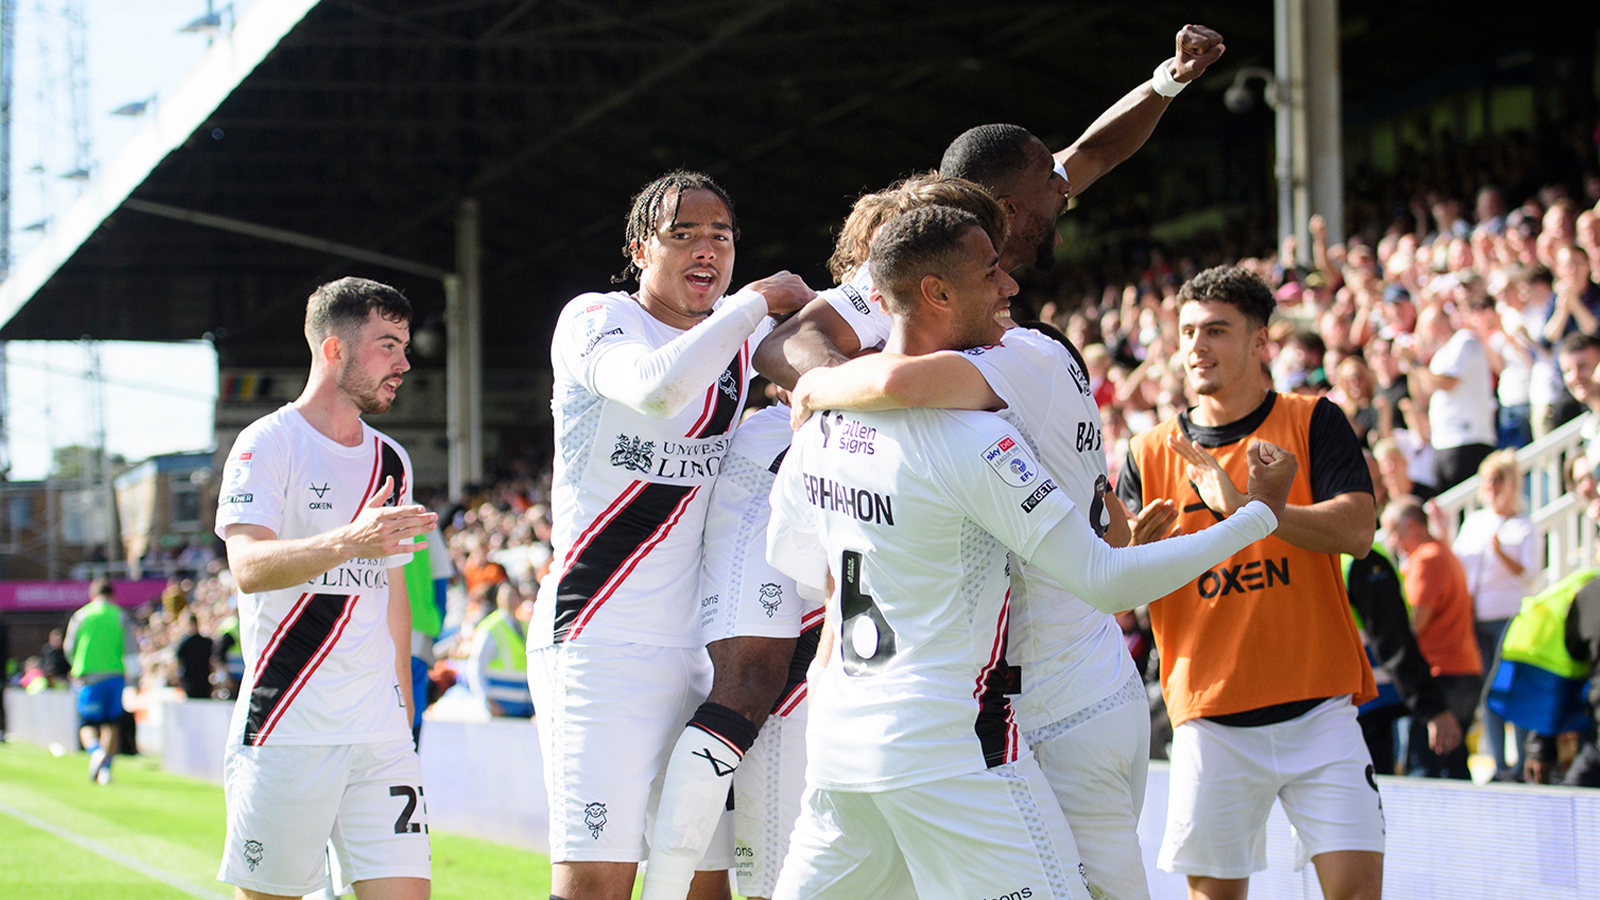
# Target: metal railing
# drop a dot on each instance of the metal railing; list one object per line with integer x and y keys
{"x": 1561, "y": 518}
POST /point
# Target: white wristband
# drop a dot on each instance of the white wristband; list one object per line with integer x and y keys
{"x": 1162, "y": 81}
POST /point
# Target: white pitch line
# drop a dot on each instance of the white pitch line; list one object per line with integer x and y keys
{"x": 121, "y": 859}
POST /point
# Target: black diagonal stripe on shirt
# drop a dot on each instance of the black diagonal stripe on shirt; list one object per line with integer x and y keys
{"x": 610, "y": 548}
{"x": 727, "y": 391}
{"x": 390, "y": 466}
{"x": 295, "y": 650}
{"x": 993, "y": 724}
{"x": 805, "y": 650}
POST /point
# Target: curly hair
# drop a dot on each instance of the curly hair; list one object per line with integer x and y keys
{"x": 872, "y": 211}
{"x": 1228, "y": 284}
{"x": 647, "y": 209}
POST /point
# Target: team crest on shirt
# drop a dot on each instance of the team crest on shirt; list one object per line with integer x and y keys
{"x": 253, "y": 851}
{"x": 728, "y": 385}
{"x": 635, "y": 453}
{"x": 594, "y": 816}
{"x": 1011, "y": 460}
{"x": 771, "y": 597}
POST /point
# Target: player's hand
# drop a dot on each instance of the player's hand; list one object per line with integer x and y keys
{"x": 1444, "y": 733}
{"x": 1272, "y": 471}
{"x": 800, "y": 409}
{"x": 785, "y": 292}
{"x": 1198, "y": 48}
{"x": 1158, "y": 519}
{"x": 380, "y": 531}
{"x": 1118, "y": 533}
{"x": 1207, "y": 475}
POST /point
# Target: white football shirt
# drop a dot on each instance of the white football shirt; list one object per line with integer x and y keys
{"x": 319, "y": 659}
{"x": 911, "y": 513}
{"x": 1071, "y": 655}
{"x": 629, "y": 493}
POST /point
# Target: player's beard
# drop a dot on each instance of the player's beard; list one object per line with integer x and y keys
{"x": 364, "y": 391}
{"x": 1043, "y": 233}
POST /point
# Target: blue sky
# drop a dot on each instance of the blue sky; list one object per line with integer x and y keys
{"x": 157, "y": 397}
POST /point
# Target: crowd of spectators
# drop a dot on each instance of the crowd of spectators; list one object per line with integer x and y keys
{"x": 1440, "y": 338}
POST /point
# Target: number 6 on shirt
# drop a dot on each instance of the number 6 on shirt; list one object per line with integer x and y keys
{"x": 869, "y": 642}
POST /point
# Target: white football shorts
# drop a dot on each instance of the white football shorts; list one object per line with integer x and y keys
{"x": 288, "y": 804}
{"x": 995, "y": 833}
{"x": 1096, "y": 761}
{"x": 741, "y": 594}
{"x": 767, "y": 788}
{"x": 1224, "y": 780}
{"x": 609, "y": 715}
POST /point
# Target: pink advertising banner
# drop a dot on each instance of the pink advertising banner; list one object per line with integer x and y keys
{"x": 18, "y": 596}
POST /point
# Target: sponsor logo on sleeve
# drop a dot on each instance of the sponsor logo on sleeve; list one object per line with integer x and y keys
{"x": 595, "y": 339}
{"x": 1039, "y": 493}
{"x": 1010, "y": 459}
{"x": 238, "y": 471}
{"x": 856, "y": 300}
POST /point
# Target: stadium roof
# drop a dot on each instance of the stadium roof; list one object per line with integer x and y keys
{"x": 359, "y": 126}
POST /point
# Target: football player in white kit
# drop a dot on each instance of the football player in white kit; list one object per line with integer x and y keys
{"x": 1082, "y": 706}
{"x": 1082, "y": 703}
{"x": 315, "y": 509}
{"x": 648, "y": 387}
{"x": 916, "y": 772}
{"x": 759, "y": 629}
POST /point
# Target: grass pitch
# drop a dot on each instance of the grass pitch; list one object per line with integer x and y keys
{"x": 151, "y": 835}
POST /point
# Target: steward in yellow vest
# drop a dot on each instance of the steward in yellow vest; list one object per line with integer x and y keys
{"x": 1545, "y": 679}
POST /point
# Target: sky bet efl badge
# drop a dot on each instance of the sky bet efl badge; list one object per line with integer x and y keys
{"x": 1011, "y": 459}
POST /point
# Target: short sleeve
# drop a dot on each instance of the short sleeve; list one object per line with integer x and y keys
{"x": 853, "y": 304}
{"x": 1005, "y": 369}
{"x": 254, "y": 483}
{"x": 794, "y": 546}
{"x": 996, "y": 482}
{"x": 1337, "y": 465}
{"x": 590, "y": 327}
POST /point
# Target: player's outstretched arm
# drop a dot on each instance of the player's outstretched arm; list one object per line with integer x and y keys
{"x": 815, "y": 337}
{"x": 261, "y": 561}
{"x": 1122, "y": 130}
{"x": 943, "y": 380}
{"x": 661, "y": 382}
{"x": 1114, "y": 579}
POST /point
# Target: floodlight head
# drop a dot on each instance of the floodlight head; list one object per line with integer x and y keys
{"x": 131, "y": 110}
{"x": 209, "y": 24}
{"x": 1238, "y": 98}
{"x": 79, "y": 174}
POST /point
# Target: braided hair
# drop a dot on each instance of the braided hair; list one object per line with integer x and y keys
{"x": 647, "y": 208}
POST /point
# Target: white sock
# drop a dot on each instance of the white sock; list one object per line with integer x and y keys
{"x": 694, "y": 794}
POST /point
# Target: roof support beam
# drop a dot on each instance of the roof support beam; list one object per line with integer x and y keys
{"x": 284, "y": 236}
